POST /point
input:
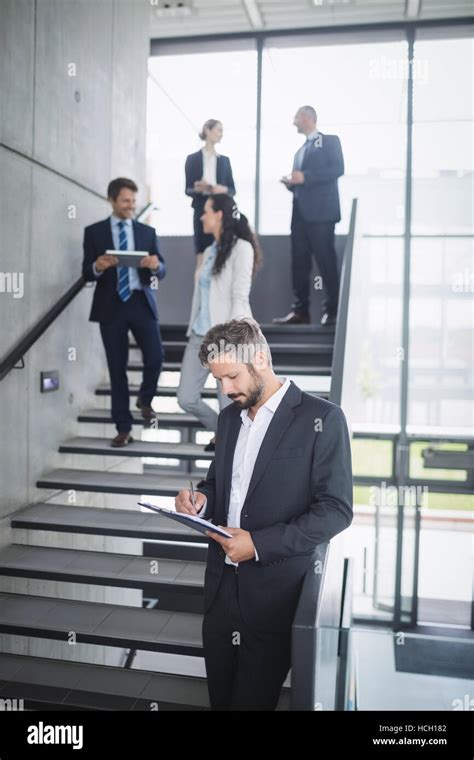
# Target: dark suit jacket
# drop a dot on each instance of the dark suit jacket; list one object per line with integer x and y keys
{"x": 193, "y": 170}
{"x": 97, "y": 240}
{"x": 318, "y": 197}
{"x": 300, "y": 495}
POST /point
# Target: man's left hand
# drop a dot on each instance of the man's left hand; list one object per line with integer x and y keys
{"x": 297, "y": 178}
{"x": 238, "y": 548}
{"x": 150, "y": 262}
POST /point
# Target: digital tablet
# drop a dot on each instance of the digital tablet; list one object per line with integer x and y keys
{"x": 128, "y": 258}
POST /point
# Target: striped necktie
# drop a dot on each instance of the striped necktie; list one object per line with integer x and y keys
{"x": 123, "y": 281}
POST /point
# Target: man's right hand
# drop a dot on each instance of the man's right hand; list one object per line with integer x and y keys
{"x": 105, "y": 262}
{"x": 184, "y": 504}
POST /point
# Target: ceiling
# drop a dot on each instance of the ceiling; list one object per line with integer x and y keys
{"x": 188, "y": 18}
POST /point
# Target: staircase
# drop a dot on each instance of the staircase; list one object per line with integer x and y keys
{"x": 167, "y": 568}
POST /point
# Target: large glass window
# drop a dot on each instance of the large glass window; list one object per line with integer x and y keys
{"x": 359, "y": 93}
{"x": 184, "y": 90}
{"x": 441, "y": 278}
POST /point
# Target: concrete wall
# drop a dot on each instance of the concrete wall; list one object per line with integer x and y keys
{"x": 72, "y": 108}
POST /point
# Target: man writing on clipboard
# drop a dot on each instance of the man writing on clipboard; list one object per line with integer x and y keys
{"x": 281, "y": 483}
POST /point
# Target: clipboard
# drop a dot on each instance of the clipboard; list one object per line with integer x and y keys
{"x": 191, "y": 521}
{"x": 128, "y": 258}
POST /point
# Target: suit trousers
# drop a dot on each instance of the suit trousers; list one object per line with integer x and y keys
{"x": 245, "y": 668}
{"x": 313, "y": 239}
{"x": 134, "y": 315}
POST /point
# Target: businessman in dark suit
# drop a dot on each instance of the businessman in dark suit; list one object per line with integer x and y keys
{"x": 281, "y": 482}
{"x": 316, "y": 167}
{"x": 125, "y": 299}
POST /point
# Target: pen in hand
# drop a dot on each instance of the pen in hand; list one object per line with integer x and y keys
{"x": 192, "y": 496}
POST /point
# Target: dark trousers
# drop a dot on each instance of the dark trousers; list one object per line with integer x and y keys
{"x": 135, "y": 315}
{"x": 316, "y": 239}
{"x": 245, "y": 668}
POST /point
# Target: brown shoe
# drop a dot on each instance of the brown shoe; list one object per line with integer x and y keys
{"x": 148, "y": 413}
{"x": 120, "y": 440}
{"x": 293, "y": 318}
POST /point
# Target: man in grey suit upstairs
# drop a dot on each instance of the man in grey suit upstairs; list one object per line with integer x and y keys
{"x": 281, "y": 482}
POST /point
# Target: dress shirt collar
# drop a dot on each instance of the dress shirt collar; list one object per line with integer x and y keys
{"x": 116, "y": 220}
{"x": 271, "y": 404}
{"x": 312, "y": 135}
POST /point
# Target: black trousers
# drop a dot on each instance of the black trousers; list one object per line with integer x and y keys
{"x": 245, "y": 668}
{"x": 135, "y": 315}
{"x": 316, "y": 239}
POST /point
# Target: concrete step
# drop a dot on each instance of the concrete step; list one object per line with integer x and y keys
{"x": 161, "y": 391}
{"x": 308, "y": 354}
{"x": 281, "y": 368}
{"x": 105, "y": 390}
{"x": 164, "y": 419}
{"x": 46, "y": 683}
{"x": 314, "y": 333}
{"x": 116, "y": 482}
{"x": 127, "y": 523}
{"x": 185, "y": 451}
{"x": 102, "y": 624}
{"x": 167, "y": 580}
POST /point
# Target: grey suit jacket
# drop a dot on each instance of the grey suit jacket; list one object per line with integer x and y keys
{"x": 300, "y": 495}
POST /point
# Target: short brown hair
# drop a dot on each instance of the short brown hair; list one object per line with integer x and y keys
{"x": 116, "y": 185}
{"x": 242, "y": 338}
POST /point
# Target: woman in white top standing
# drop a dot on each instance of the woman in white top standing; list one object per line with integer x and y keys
{"x": 207, "y": 173}
{"x": 221, "y": 292}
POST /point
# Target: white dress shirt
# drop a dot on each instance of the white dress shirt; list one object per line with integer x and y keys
{"x": 209, "y": 164}
{"x": 251, "y": 435}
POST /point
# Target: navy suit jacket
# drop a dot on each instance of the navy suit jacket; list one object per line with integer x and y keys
{"x": 97, "y": 240}
{"x": 300, "y": 495}
{"x": 193, "y": 170}
{"x": 317, "y": 198}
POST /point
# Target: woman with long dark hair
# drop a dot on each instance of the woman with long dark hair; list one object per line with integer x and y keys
{"x": 207, "y": 173}
{"x": 221, "y": 292}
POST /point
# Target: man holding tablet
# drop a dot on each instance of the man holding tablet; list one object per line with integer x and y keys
{"x": 281, "y": 483}
{"x": 125, "y": 299}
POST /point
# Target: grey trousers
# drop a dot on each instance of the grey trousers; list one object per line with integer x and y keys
{"x": 192, "y": 381}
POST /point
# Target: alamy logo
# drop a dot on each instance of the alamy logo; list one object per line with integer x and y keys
{"x": 12, "y": 282}
{"x": 12, "y": 705}
{"x": 46, "y": 734}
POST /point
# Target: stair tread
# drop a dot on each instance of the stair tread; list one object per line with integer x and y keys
{"x": 138, "y": 448}
{"x": 164, "y": 418}
{"x": 269, "y": 327}
{"x": 162, "y": 390}
{"x": 305, "y": 348}
{"x": 36, "y": 615}
{"x": 128, "y": 522}
{"x": 115, "y": 482}
{"x": 281, "y": 369}
{"x": 101, "y": 568}
{"x": 75, "y": 684}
